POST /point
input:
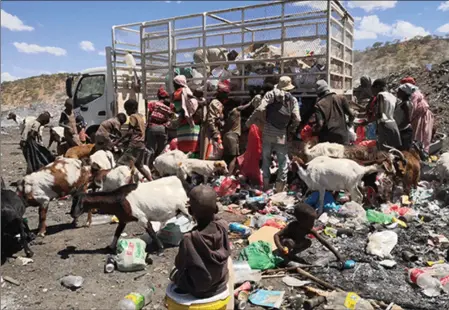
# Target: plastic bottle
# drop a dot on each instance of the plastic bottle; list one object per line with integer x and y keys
{"x": 101, "y": 219}
{"x": 431, "y": 286}
{"x": 262, "y": 199}
{"x": 378, "y": 217}
{"x": 239, "y": 228}
{"x": 136, "y": 301}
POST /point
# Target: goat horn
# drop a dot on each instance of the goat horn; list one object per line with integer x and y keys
{"x": 393, "y": 150}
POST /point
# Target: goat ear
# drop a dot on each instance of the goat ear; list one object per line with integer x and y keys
{"x": 180, "y": 164}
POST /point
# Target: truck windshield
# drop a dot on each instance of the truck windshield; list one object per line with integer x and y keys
{"x": 90, "y": 87}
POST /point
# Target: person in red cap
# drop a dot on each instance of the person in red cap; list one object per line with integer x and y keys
{"x": 158, "y": 118}
{"x": 408, "y": 80}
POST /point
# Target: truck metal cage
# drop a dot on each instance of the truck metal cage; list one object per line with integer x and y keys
{"x": 306, "y": 40}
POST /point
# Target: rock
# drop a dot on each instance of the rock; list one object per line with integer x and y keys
{"x": 72, "y": 282}
{"x": 388, "y": 263}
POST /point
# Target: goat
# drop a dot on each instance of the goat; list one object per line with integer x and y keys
{"x": 80, "y": 151}
{"x": 110, "y": 179}
{"x": 102, "y": 160}
{"x": 204, "y": 168}
{"x": 159, "y": 200}
{"x": 167, "y": 164}
{"x": 442, "y": 167}
{"x": 13, "y": 208}
{"x": 62, "y": 177}
{"x": 324, "y": 173}
{"x": 408, "y": 168}
{"x": 56, "y": 135}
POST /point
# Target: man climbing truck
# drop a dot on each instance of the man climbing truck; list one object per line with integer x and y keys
{"x": 292, "y": 38}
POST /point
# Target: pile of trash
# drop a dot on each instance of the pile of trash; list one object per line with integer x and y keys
{"x": 396, "y": 255}
{"x": 433, "y": 80}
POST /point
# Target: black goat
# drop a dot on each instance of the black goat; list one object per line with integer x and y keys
{"x": 13, "y": 209}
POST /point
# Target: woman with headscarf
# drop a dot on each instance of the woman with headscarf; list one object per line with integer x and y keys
{"x": 185, "y": 106}
{"x": 422, "y": 119}
{"x": 158, "y": 118}
{"x": 36, "y": 155}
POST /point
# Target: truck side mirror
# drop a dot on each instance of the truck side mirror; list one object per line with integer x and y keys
{"x": 68, "y": 86}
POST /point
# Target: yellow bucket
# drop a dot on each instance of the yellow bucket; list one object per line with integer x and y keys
{"x": 174, "y": 301}
{"x": 215, "y": 305}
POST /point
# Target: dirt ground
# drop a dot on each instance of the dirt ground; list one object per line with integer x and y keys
{"x": 80, "y": 252}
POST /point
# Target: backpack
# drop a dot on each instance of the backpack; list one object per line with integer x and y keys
{"x": 279, "y": 113}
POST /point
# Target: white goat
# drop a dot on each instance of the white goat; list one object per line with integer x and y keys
{"x": 442, "y": 167}
{"x": 204, "y": 168}
{"x": 325, "y": 149}
{"x": 168, "y": 163}
{"x": 324, "y": 173}
{"x": 159, "y": 201}
{"x": 110, "y": 179}
{"x": 102, "y": 160}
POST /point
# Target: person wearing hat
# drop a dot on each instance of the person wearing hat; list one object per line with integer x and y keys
{"x": 387, "y": 128}
{"x": 68, "y": 122}
{"x": 329, "y": 118}
{"x": 185, "y": 105}
{"x": 279, "y": 111}
{"x": 158, "y": 118}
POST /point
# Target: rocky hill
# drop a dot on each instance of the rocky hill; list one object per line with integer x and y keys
{"x": 48, "y": 89}
{"x": 383, "y": 59}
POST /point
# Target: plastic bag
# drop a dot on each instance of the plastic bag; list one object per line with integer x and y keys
{"x": 355, "y": 213}
{"x": 227, "y": 187}
{"x": 215, "y": 151}
{"x": 344, "y": 301}
{"x": 131, "y": 255}
{"x": 259, "y": 256}
{"x": 352, "y": 134}
{"x": 174, "y": 230}
{"x": 382, "y": 243}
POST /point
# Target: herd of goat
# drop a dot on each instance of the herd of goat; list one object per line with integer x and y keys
{"x": 96, "y": 182}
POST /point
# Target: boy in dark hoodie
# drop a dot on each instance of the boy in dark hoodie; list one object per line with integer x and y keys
{"x": 201, "y": 266}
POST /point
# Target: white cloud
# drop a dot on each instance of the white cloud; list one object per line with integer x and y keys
{"x": 357, "y": 18}
{"x": 102, "y": 53}
{"x": 444, "y": 28}
{"x": 26, "y": 48}
{"x": 444, "y": 6}
{"x": 87, "y": 46}
{"x": 13, "y": 23}
{"x": 6, "y": 77}
{"x": 405, "y": 30}
{"x": 369, "y": 6}
{"x": 369, "y": 27}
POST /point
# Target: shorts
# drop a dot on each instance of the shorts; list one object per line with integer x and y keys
{"x": 231, "y": 144}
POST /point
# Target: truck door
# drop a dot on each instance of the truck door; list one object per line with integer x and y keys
{"x": 90, "y": 98}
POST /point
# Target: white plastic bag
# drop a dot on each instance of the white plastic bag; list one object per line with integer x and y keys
{"x": 382, "y": 243}
{"x": 355, "y": 214}
{"x": 174, "y": 230}
{"x": 352, "y": 134}
{"x": 131, "y": 255}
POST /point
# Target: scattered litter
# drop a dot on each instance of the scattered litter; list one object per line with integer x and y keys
{"x": 269, "y": 299}
{"x": 11, "y": 280}
{"x": 382, "y": 243}
{"x": 72, "y": 282}
{"x": 174, "y": 230}
{"x": 24, "y": 260}
{"x": 388, "y": 263}
{"x": 131, "y": 255}
{"x": 259, "y": 256}
{"x": 291, "y": 281}
{"x": 265, "y": 234}
{"x": 243, "y": 272}
{"x": 344, "y": 301}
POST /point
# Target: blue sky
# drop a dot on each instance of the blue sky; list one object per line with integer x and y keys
{"x": 50, "y": 37}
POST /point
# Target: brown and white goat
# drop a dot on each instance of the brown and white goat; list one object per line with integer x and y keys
{"x": 80, "y": 151}
{"x": 408, "y": 168}
{"x": 159, "y": 201}
{"x": 64, "y": 176}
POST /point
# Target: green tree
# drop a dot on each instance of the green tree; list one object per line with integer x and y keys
{"x": 377, "y": 44}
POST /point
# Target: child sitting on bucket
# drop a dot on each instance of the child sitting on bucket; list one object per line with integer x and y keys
{"x": 201, "y": 266}
{"x": 292, "y": 240}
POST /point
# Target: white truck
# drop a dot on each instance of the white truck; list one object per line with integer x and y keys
{"x": 306, "y": 40}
